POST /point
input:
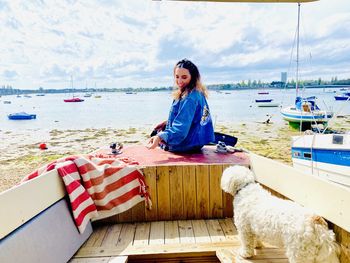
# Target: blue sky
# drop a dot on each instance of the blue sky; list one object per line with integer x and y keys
{"x": 135, "y": 43}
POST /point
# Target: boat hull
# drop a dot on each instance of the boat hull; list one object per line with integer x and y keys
{"x": 324, "y": 155}
{"x": 21, "y": 116}
{"x": 73, "y": 100}
{"x": 342, "y": 98}
{"x": 292, "y": 114}
{"x": 267, "y": 104}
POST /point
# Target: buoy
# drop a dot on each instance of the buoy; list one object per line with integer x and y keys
{"x": 43, "y": 146}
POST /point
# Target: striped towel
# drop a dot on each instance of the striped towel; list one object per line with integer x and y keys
{"x": 98, "y": 186}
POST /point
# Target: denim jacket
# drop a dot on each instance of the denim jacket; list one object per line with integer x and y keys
{"x": 189, "y": 125}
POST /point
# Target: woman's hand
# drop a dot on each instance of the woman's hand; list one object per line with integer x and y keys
{"x": 153, "y": 142}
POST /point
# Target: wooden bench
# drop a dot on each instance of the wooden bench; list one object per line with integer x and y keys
{"x": 181, "y": 186}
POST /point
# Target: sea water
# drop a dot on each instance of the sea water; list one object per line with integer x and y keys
{"x": 120, "y": 110}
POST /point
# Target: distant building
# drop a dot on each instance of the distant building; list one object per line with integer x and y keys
{"x": 284, "y": 77}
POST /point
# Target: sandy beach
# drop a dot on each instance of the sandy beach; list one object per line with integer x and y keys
{"x": 20, "y": 153}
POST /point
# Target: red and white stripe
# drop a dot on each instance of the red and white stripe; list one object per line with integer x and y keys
{"x": 98, "y": 187}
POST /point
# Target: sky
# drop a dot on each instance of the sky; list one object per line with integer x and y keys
{"x": 136, "y": 43}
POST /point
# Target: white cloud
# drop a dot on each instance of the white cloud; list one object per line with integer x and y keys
{"x": 136, "y": 42}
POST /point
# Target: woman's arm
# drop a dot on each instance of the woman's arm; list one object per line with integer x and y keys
{"x": 182, "y": 123}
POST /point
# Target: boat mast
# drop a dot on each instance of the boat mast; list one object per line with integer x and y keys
{"x": 297, "y": 71}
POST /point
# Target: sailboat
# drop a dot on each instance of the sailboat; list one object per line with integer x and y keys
{"x": 305, "y": 110}
{"x": 323, "y": 155}
{"x": 73, "y": 99}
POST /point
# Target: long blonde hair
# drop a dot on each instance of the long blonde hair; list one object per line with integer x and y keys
{"x": 195, "y": 82}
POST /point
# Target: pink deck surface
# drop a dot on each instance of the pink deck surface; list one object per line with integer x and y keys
{"x": 157, "y": 157}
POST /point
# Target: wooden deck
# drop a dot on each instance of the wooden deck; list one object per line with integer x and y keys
{"x": 211, "y": 240}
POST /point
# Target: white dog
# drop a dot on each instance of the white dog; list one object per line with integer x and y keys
{"x": 259, "y": 216}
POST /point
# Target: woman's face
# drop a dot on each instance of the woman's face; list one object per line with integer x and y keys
{"x": 182, "y": 77}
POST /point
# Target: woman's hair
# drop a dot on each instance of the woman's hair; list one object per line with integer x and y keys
{"x": 195, "y": 82}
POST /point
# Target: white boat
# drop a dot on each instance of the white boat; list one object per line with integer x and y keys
{"x": 87, "y": 95}
{"x": 306, "y": 110}
{"x": 324, "y": 155}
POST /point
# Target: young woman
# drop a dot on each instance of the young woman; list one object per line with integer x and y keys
{"x": 189, "y": 125}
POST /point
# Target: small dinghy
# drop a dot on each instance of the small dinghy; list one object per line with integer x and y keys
{"x": 21, "y": 116}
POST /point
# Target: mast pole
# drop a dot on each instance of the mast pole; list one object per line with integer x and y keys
{"x": 297, "y": 71}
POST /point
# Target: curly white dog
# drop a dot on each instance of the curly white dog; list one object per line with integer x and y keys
{"x": 259, "y": 216}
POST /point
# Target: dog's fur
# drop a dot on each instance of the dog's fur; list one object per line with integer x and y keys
{"x": 259, "y": 216}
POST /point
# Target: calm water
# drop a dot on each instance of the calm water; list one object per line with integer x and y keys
{"x": 120, "y": 110}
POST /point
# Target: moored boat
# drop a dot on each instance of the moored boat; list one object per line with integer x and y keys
{"x": 75, "y": 99}
{"x": 324, "y": 155}
{"x": 306, "y": 110}
{"x": 342, "y": 97}
{"x": 266, "y": 103}
{"x": 87, "y": 95}
{"x": 21, "y": 116}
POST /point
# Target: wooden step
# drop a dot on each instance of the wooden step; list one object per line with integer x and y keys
{"x": 120, "y": 259}
{"x": 262, "y": 255}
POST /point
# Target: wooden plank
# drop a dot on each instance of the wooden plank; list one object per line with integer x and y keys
{"x": 90, "y": 260}
{"x": 313, "y": 193}
{"x": 215, "y": 231}
{"x": 29, "y": 199}
{"x": 201, "y": 257}
{"x": 176, "y": 192}
{"x": 343, "y": 238}
{"x": 215, "y": 192}
{"x": 151, "y": 181}
{"x": 186, "y": 231}
{"x": 163, "y": 193}
{"x": 126, "y": 236}
{"x": 200, "y": 231}
{"x": 97, "y": 236}
{"x": 226, "y": 256}
{"x": 138, "y": 212}
{"x": 202, "y": 181}
{"x": 125, "y": 216}
{"x": 189, "y": 191}
{"x": 157, "y": 249}
{"x": 264, "y": 255}
{"x": 228, "y": 228}
{"x": 227, "y": 200}
{"x": 112, "y": 235}
{"x": 157, "y": 233}
{"x": 142, "y": 233}
{"x": 121, "y": 259}
{"x": 171, "y": 232}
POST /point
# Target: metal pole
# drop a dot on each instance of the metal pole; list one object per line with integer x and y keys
{"x": 297, "y": 73}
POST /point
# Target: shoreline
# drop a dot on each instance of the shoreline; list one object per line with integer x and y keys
{"x": 21, "y": 154}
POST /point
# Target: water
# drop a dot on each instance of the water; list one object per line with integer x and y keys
{"x": 120, "y": 110}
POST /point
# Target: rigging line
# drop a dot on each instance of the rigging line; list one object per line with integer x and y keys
{"x": 336, "y": 114}
{"x": 289, "y": 66}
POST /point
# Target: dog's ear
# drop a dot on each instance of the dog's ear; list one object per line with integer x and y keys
{"x": 226, "y": 179}
{"x": 235, "y": 178}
